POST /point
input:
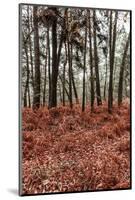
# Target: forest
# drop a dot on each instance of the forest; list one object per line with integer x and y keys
{"x": 75, "y": 99}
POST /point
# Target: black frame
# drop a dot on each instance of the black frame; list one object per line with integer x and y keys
{"x": 19, "y": 102}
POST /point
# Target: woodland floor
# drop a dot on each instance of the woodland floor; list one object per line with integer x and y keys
{"x": 65, "y": 151}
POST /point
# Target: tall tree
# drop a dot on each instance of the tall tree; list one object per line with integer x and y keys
{"x": 69, "y": 60}
{"x": 26, "y": 90}
{"x": 96, "y": 60}
{"x": 74, "y": 88}
{"x": 64, "y": 69}
{"x": 112, "y": 56}
{"x": 105, "y": 83}
{"x": 54, "y": 61}
{"x": 121, "y": 75}
{"x": 56, "y": 55}
{"x": 91, "y": 61}
{"x": 30, "y": 44}
{"x": 84, "y": 65}
{"x": 45, "y": 77}
{"x": 73, "y": 81}
{"x": 36, "y": 100}
{"x": 49, "y": 66}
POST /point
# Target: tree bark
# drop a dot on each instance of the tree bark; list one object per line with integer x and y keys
{"x": 30, "y": 48}
{"x": 74, "y": 88}
{"x": 49, "y": 66}
{"x": 121, "y": 75}
{"x": 73, "y": 81}
{"x": 55, "y": 59}
{"x": 112, "y": 55}
{"x": 66, "y": 91}
{"x": 105, "y": 84}
{"x": 70, "y": 67}
{"x": 27, "y": 76}
{"x": 91, "y": 63}
{"x": 36, "y": 100}
{"x": 54, "y": 62}
{"x": 44, "y": 89}
{"x": 98, "y": 92}
{"x": 64, "y": 68}
{"x": 84, "y": 67}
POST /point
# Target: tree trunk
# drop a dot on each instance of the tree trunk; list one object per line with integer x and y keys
{"x": 29, "y": 96}
{"x": 112, "y": 55}
{"x": 64, "y": 66}
{"x": 36, "y": 101}
{"x": 73, "y": 81}
{"x": 30, "y": 48}
{"x": 120, "y": 87}
{"x": 27, "y": 78}
{"x": 55, "y": 59}
{"x": 74, "y": 88}
{"x": 105, "y": 84}
{"x": 54, "y": 63}
{"x": 91, "y": 63}
{"x": 70, "y": 67}
{"x": 84, "y": 67}
{"x": 44, "y": 90}
{"x": 66, "y": 91}
{"x": 98, "y": 92}
{"x": 49, "y": 66}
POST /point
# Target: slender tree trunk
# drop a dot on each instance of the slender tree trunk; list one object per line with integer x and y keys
{"x": 105, "y": 84}
{"x": 64, "y": 66}
{"x": 74, "y": 88}
{"x": 73, "y": 81}
{"x": 64, "y": 85}
{"x": 70, "y": 68}
{"x": 91, "y": 63}
{"x": 98, "y": 92}
{"x": 55, "y": 59}
{"x": 66, "y": 91}
{"x": 30, "y": 48}
{"x": 121, "y": 76}
{"x": 106, "y": 58}
{"x": 60, "y": 93}
{"x": 36, "y": 101}
{"x": 29, "y": 100}
{"x": 44, "y": 90}
{"x": 49, "y": 66}
{"x": 84, "y": 67}
{"x": 112, "y": 56}
{"x": 27, "y": 78}
{"x": 54, "y": 63}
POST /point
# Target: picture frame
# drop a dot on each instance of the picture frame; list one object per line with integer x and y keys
{"x": 61, "y": 132}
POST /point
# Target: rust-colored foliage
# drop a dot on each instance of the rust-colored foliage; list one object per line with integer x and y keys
{"x": 67, "y": 150}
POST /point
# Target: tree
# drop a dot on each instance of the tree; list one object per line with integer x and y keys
{"x": 69, "y": 62}
{"x": 30, "y": 44}
{"x": 91, "y": 62}
{"x": 26, "y": 91}
{"x": 64, "y": 69}
{"x": 98, "y": 92}
{"x": 36, "y": 100}
{"x": 112, "y": 56}
{"x": 53, "y": 102}
{"x": 49, "y": 66}
{"x": 121, "y": 75}
{"x": 84, "y": 66}
{"x": 44, "y": 89}
{"x": 55, "y": 57}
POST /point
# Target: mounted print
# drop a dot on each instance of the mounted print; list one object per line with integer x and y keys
{"x": 75, "y": 83}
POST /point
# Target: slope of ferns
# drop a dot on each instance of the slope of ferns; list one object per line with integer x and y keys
{"x": 66, "y": 150}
